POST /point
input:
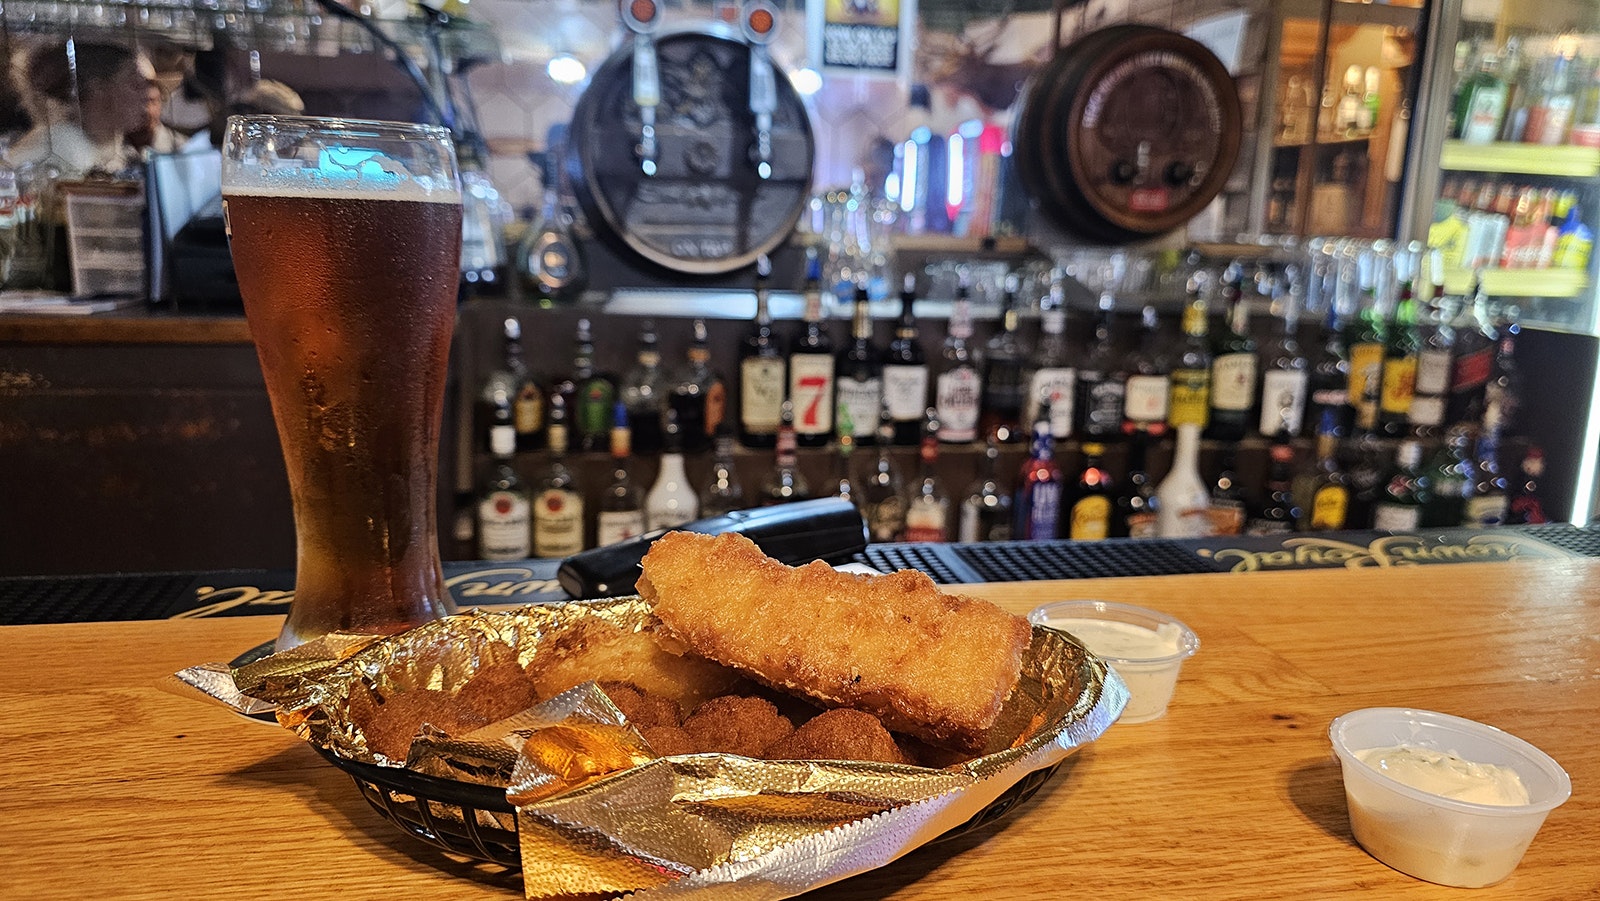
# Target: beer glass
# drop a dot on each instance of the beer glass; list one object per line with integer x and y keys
{"x": 346, "y": 237}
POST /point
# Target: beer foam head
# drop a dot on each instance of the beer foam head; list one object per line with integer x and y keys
{"x": 339, "y": 172}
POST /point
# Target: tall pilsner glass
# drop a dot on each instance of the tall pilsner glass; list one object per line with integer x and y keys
{"x": 346, "y": 237}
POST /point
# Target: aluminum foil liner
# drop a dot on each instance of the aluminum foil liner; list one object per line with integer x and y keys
{"x": 598, "y": 814}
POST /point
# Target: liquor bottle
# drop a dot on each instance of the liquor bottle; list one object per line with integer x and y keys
{"x": 859, "y": 375}
{"x": 986, "y": 511}
{"x": 1526, "y": 507}
{"x": 504, "y": 510}
{"x": 905, "y": 372}
{"x": 1089, "y": 516}
{"x": 1480, "y": 103}
{"x": 593, "y": 395}
{"x": 1550, "y": 114}
{"x": 841, "y": 485}
{"x": 811, "y": 367}
{"x": 1102, "y": 382}
{"x": 513, "y": 381}
{"x": 1501, "y": 394}
{"x": 644, "y": 392}
{"x": 1145, "y": 395}
{"x": 1051, "y": 384}
{"x": 697, "y": 399}
{"x": 1487, "y": 502}
{"x": 1185, "y": 500}
{"x": 1450, "y": 477}
{"x": 1233, "y": 367}
{"x": 1138, "y": 508}
{"x": 671, "y": 501}
{"x": 723, "y": 492}
{"x": 959, "y": 386}
{"x": 1038, "y": 504}
{"x": 1399, "y": 509}
{"x": 1430, "y": 396}
{"x": 557, "y": 502}
{"x": 1277, "y": 513}
{"x": 550, "y": 257}
{"x": 1284, "y": 374}
{"x": 1227, "y": 498}
{"x": 621, "y": 514}
{"x": 1189, "y": 402}
{"x": 763, "y": 374}
{"x": 1330, "y": 376}
{"x": 1366, "y": 472}
{"x": 1472, "y": 360}
{"x": 882, "y": 494}
{"x": 1329, "y": 506}
{"x": 785, "y": 483}
{"x": 1364, "y": 343}
{"x": 928, "y": 506}
{"x": 1400, "y": 349}
{"x": 1005, "y": 385}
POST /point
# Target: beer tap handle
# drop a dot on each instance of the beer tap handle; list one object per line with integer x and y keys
{"x": 641, "y": 18}
{"x": 760, "y": 23}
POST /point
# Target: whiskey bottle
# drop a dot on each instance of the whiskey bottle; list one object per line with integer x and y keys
{"x": 1233, "y": 366}
{"x": 644, "y": 392}
{"x": 1277, "y": 513}
{"x": 785, "y": 483}
{"x": 557, "y": 504}
{"x": 1138, "y": 508}
{"x": 1328, "y": 508}
{"x": 1450, "y": 474}
{"x": 905, "y": 373}
{"x": 621, "y": 513}
{"x": 1004, "y": 383}
{"x": 504, "y": 509}
{"x": 763, "y": 374}
{"x": 986, "y": 510}
{"x": 513, "y": 381}
{"x": 1400, "y": 349}
{"x": 1471, "y": 361}
{"x": 928, "y": 506}
{"x": 1190, "y": 400}
{"x": 1089, "y": 516}
{"x": 593, "y": 395}
{"x": 1431, "y": 389}
{"x": 958, "y": 388}
{"x": 1227, "y": 498}
{"x": 1052, "y": 383}
{"x": 1364, "y": 345}
{"x": 811, "y": 385}
{"x": 883, "y": 492}
{"x": 1145, "y": 395}
{"x": 698, "y": 399}
{"x": 1330, "y": 376}
{"x": 1399, "y": 508}
{"x": 1101, "y": 380}
{"x": 723, "y": 492}
{"x": 859, "y": 375}
{"x": 1284, "y": 375}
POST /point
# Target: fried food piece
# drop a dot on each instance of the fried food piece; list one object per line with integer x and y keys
{"x": 641, "y": 708}
{"x": 588, "y": 647}
{"x": 396, "y": 721}
{"x": 841, "y": 734}
{"x": 735, "y": 724}
{"x": 667, "y": 741}
{"x": 498, "y": 691}
{"x": 929, "y": 664}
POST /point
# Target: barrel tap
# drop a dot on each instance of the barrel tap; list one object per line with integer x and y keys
{"x": 641, "y": 18}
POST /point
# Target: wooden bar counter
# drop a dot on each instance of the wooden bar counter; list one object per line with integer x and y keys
{"x": 112, "y": 788}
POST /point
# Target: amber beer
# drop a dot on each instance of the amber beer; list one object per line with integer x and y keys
{"x": 350, "y": 296}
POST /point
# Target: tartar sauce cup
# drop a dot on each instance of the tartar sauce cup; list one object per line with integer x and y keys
{"x": 1146, "y": 647}
{"x": 1430, "y": 836}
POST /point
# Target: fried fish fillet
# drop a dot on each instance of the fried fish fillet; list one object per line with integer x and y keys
{"x": 929, "y": 664}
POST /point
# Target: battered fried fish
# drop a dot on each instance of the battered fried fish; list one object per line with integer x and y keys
{"x": 589, "y": 647}
{"x": 932, "y": 665}
{"x": 840, "y": 734}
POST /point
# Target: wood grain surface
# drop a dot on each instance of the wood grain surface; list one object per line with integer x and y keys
{"x": 113, "y": 788}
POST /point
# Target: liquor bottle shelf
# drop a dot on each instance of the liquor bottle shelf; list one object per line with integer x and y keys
{"x": 1521, "y": 159}
{"x": 1521, "y": 282}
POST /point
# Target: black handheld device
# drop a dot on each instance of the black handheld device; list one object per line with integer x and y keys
{"x": 829, "y": 529}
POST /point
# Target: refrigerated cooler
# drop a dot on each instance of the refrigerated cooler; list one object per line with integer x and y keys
{"x": 1503, "y": 175}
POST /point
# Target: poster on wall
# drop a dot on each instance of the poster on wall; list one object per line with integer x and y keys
{"x": 862, "y": 37}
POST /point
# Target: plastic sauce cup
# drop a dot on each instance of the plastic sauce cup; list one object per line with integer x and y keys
{"x": 1429, "y": 836}
{"x": 1146, "y": 647}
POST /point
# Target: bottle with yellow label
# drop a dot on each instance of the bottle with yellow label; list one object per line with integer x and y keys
{"x": 1089, "y": 517}
{"x": 1328, "y": 507}
{"x": 1399, "y": 367}
{"x": 1365, "y": 346}
{"x": 1190, "y": 401}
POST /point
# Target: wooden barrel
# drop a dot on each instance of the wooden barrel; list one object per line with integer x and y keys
{"x": 1127, "y": 133}
{"x": 706, "y": 210}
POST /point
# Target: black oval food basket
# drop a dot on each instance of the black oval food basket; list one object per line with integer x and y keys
{"x": 477, "y": 821}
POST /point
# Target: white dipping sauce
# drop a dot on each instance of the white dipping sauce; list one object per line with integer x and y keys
{"x": 1121, "y": 640}
{"x": 1447, "y": 775}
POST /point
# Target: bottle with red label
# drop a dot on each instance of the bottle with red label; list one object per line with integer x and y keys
{"x": 928, "y": 508}
{"x": 811, "y": 378}
{"x": 1471, "y": 360}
